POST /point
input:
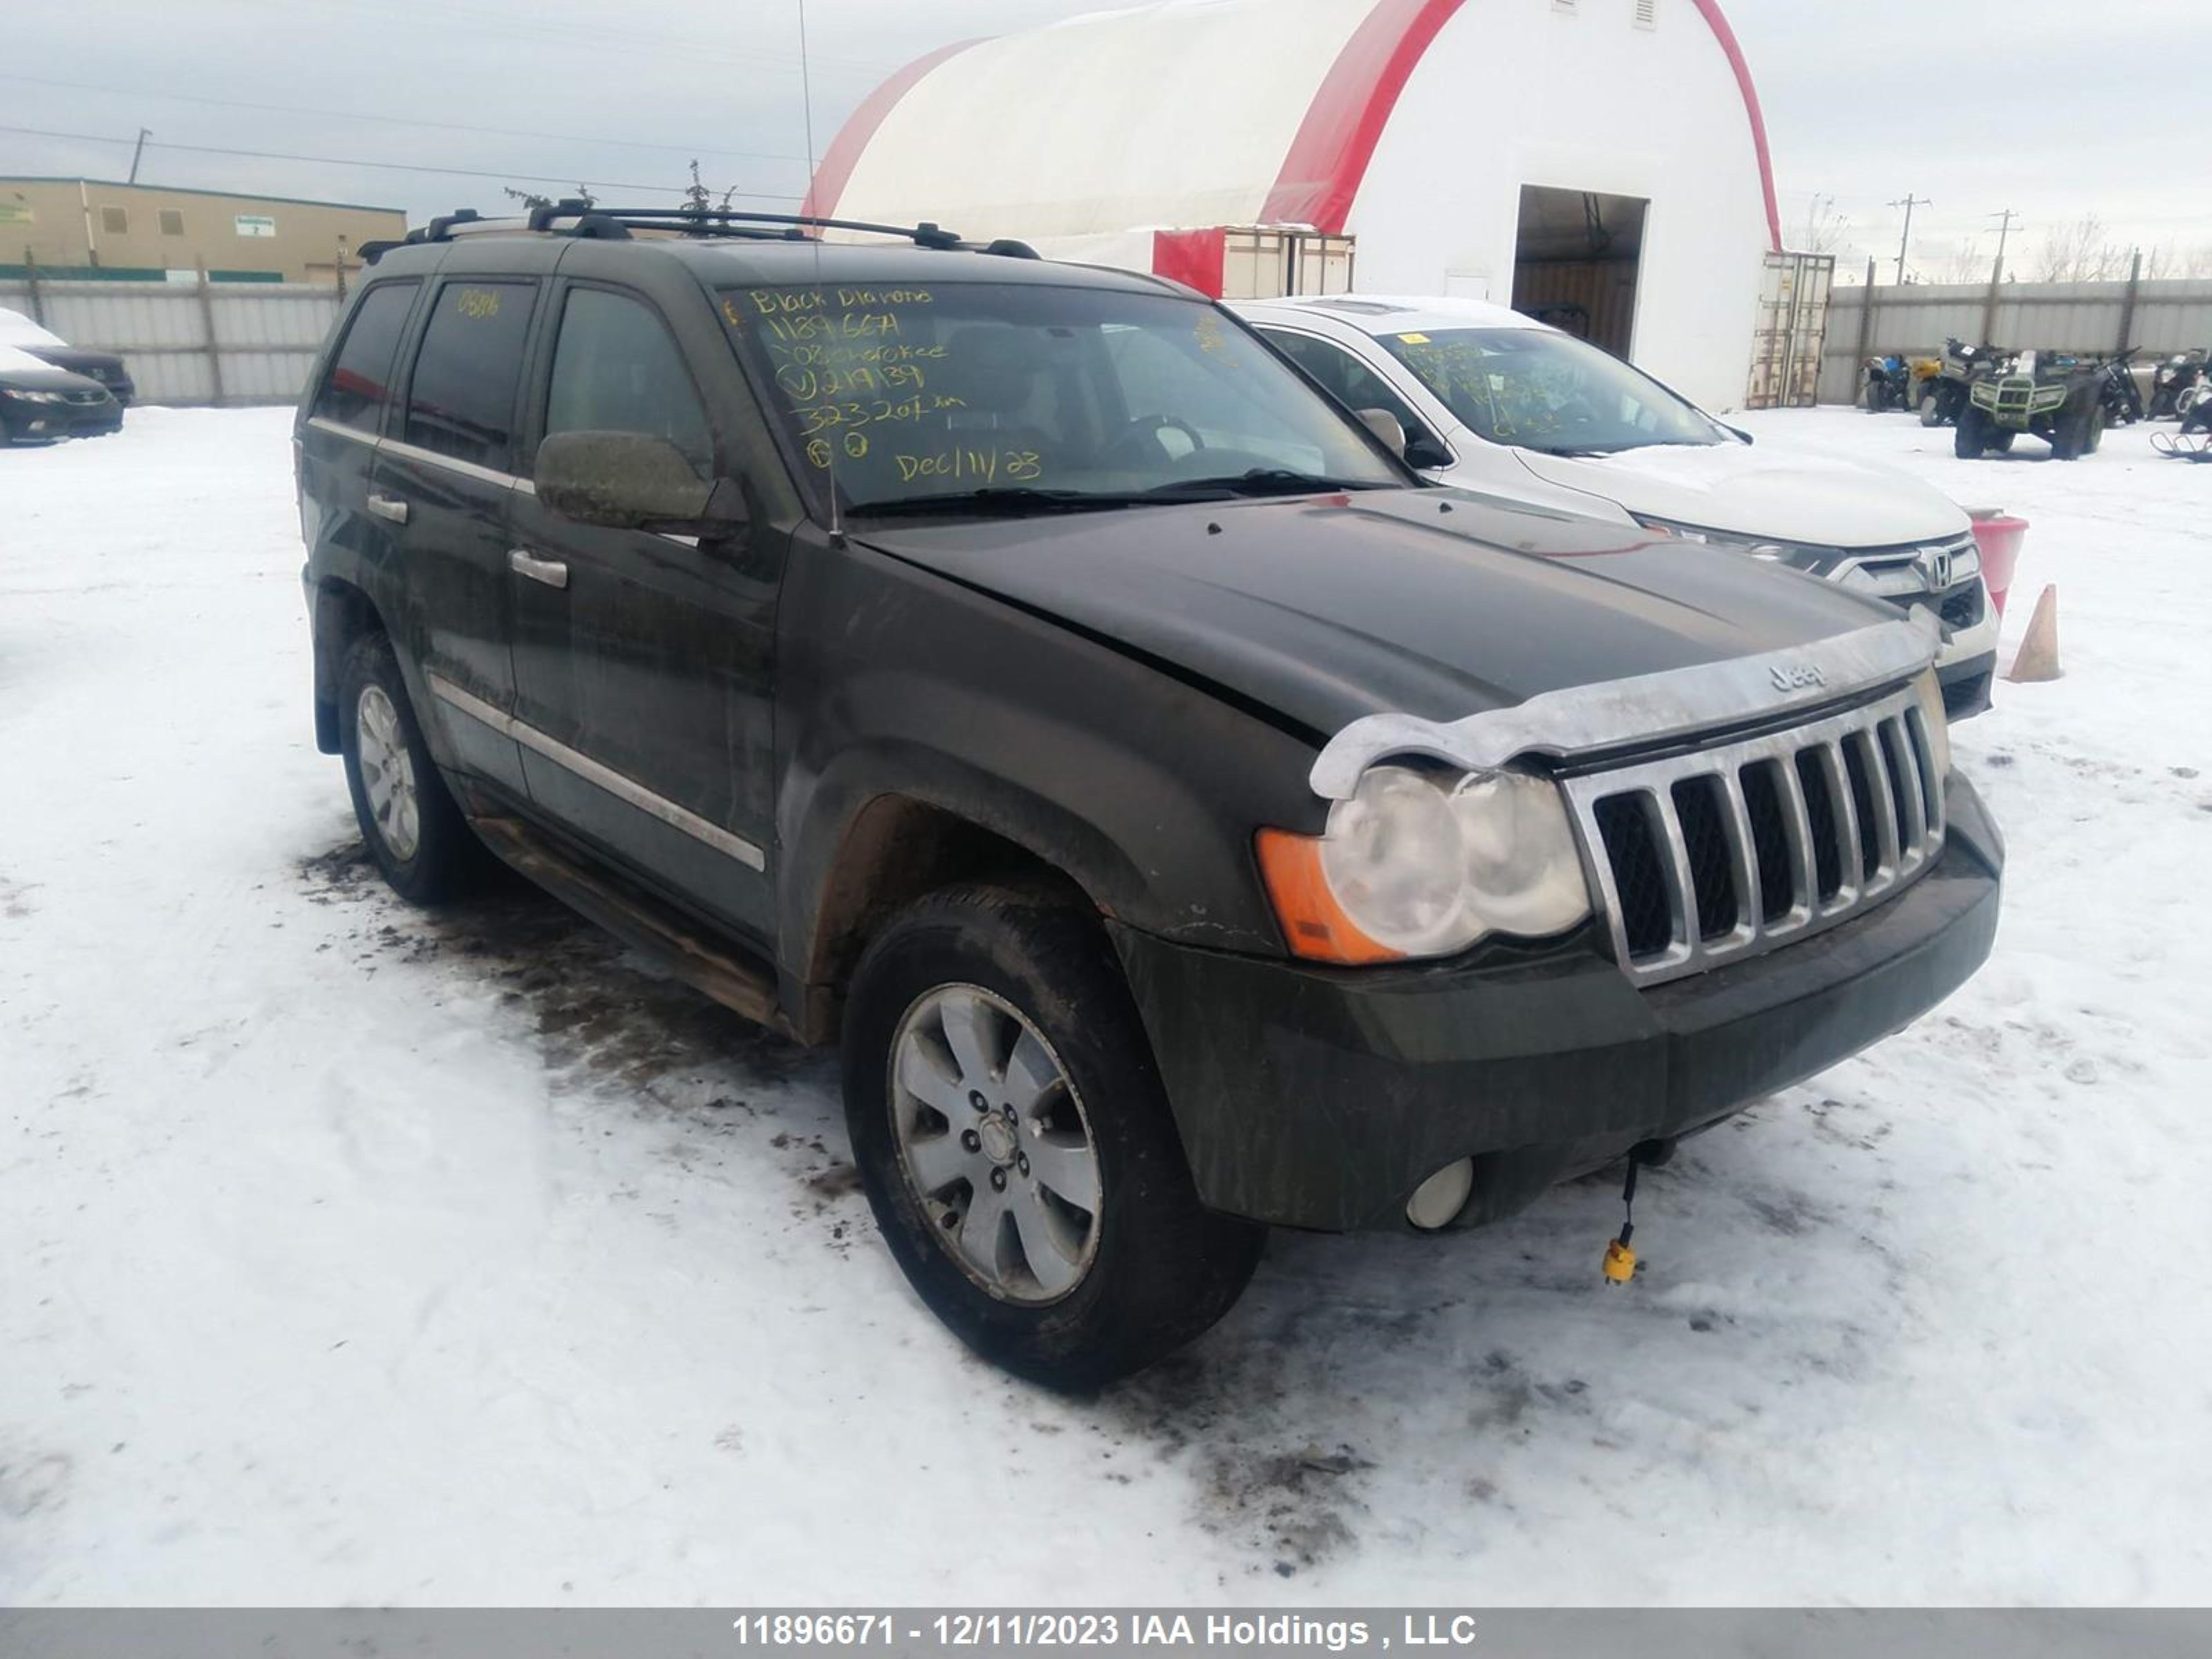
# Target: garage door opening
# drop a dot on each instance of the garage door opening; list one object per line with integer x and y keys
{"x": 1575, "y": 260}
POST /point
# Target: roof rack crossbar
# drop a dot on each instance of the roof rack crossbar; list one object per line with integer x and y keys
{"x": 925, "y": 235}
{"x": 574, "y": 217}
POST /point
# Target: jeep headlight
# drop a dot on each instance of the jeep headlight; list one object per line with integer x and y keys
{"x": 1417, "y": 866}
{"x": 1936, "y": 720}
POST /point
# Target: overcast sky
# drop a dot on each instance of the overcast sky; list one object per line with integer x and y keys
{"x": 2052, "y": 107}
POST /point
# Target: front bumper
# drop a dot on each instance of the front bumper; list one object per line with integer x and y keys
{"x": 40, "y": 423}
{"x": 1968, "y": 684}
{"x": 1320, "y": 1098}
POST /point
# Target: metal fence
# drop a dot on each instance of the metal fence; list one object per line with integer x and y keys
{"x": 2159, "y": 317}
{"x": 190, "y": 342}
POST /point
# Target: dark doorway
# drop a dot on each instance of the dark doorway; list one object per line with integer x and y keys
{"x": 1574, "y": 262}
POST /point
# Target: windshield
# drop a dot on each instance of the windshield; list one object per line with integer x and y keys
{"x": 1548, "y": 392}
{"x": 1022, "y": 396}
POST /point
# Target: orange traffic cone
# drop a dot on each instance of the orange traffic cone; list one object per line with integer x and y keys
{"x": 2038, "y": 656}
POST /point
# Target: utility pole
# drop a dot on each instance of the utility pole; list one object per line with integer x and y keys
{"x": 139, "y": 149}
{"x": 1910, "y": 202}
{"x": 2004, "y": 228}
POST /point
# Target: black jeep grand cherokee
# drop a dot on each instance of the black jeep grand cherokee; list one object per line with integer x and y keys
{"x": 1185, "y": 819}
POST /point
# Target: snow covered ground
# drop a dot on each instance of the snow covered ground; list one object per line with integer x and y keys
{"x": 349, "y": 1253}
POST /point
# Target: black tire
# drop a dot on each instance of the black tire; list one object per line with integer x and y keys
{"x": 1164, "y": 1268}
{"x": 2078, "y": 431}
{"x": 444, "y": 861}
{"x": 1973, "y": 435}
{"x": 1931, "y": 410}
{"x": 1999, "y": 442}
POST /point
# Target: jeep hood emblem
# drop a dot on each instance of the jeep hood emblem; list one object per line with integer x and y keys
{"x": 1796, "y": 677}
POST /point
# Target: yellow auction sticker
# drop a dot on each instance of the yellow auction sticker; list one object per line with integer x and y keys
{"x": 1414, "y": 339}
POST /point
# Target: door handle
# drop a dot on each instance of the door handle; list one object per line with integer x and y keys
{"x": 388, "y": 507}
{"x": 551, "y": 571}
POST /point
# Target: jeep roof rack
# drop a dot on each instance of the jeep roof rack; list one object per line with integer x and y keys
{"x": 576, "y": 217}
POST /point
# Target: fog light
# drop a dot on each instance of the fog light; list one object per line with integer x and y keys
{"x": 1441, "y": 1197}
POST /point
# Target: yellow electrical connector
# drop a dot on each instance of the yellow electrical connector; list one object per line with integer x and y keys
{"x": 1620, "y": 1262}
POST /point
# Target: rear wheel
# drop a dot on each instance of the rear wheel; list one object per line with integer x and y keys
{"x": 1017, "y": 1147}
{"x": 408, "y": 817}
{"x": 1931, "y": 410}
{"x": 2078, "y": 431}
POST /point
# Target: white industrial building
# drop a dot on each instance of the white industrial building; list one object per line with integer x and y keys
{"x": 1600, "y": 163}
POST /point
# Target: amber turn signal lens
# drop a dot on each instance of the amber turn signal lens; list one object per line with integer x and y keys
{"x": 1315, "y": 925}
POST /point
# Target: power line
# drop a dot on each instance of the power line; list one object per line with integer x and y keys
{"x": 391, "y": 166}
{"x": 402, "y": 121}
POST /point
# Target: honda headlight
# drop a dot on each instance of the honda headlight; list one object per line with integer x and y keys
{"x": 1417, "y": 866}
{"x": 1759, "y": 547}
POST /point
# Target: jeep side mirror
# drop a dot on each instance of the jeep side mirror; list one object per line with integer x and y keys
{"x": 630, "y": 480}
{"x": 1387, "y": 427}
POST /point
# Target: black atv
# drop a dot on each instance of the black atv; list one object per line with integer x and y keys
{"x": 2118, "y": 391}
{"x": 2056, "y": 399}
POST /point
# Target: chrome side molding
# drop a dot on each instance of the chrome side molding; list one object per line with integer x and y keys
{"x": 592, "y": 772}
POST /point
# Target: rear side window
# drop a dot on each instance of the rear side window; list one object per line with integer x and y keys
{"x": 361, "y": 377}
{"x": 461, "y": 400}
{"x": 616, "y": 369}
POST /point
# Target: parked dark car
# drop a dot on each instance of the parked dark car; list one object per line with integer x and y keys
{"x": 39, "y": 403}
{"x": 104, "y": 367}
{"x": 1185, "y": 819}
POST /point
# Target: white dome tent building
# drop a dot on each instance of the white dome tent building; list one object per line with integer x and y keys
{"x": 1600, "y": 163}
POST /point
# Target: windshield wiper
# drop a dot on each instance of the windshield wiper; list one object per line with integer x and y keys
{"x": 1014, "y": 499}
{"x": 1255, "y": 481}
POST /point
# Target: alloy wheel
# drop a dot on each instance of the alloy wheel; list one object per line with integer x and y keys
{"x": 993, "y": 1145}
{"x": 388, "y": 773}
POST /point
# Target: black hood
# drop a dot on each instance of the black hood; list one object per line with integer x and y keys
{"x": 1438, "y": 603}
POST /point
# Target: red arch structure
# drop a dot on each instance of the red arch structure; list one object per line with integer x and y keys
{"x": 1335, "y": 141}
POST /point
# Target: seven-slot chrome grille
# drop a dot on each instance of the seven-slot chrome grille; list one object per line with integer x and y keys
{"x": 1706, "y": 858}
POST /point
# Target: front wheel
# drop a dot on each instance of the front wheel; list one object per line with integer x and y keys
{"x": 1016, "y": 1144}
{"x": 1931, "y": 410}
{"x": 1972, "y": 434}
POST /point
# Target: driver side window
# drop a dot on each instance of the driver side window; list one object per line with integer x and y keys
{"x": 616, "y": 369}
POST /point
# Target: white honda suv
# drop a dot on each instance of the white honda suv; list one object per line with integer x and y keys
{"x": 1493, "y": 400}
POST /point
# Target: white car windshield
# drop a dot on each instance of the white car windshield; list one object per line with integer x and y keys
{"x": 17, "y": 330}
{"x": 1034, "y": 397}
{"x": 1544, "y": 390}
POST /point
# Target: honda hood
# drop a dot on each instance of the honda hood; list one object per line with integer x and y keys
{"x": 1822, "y": 499}
{"x": 1438, "y": 602}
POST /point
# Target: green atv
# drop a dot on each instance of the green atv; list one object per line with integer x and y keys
{"x": 2059, "y": 405}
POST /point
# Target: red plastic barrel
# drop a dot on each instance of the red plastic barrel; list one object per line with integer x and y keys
{"x": 1998, "y": 535}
